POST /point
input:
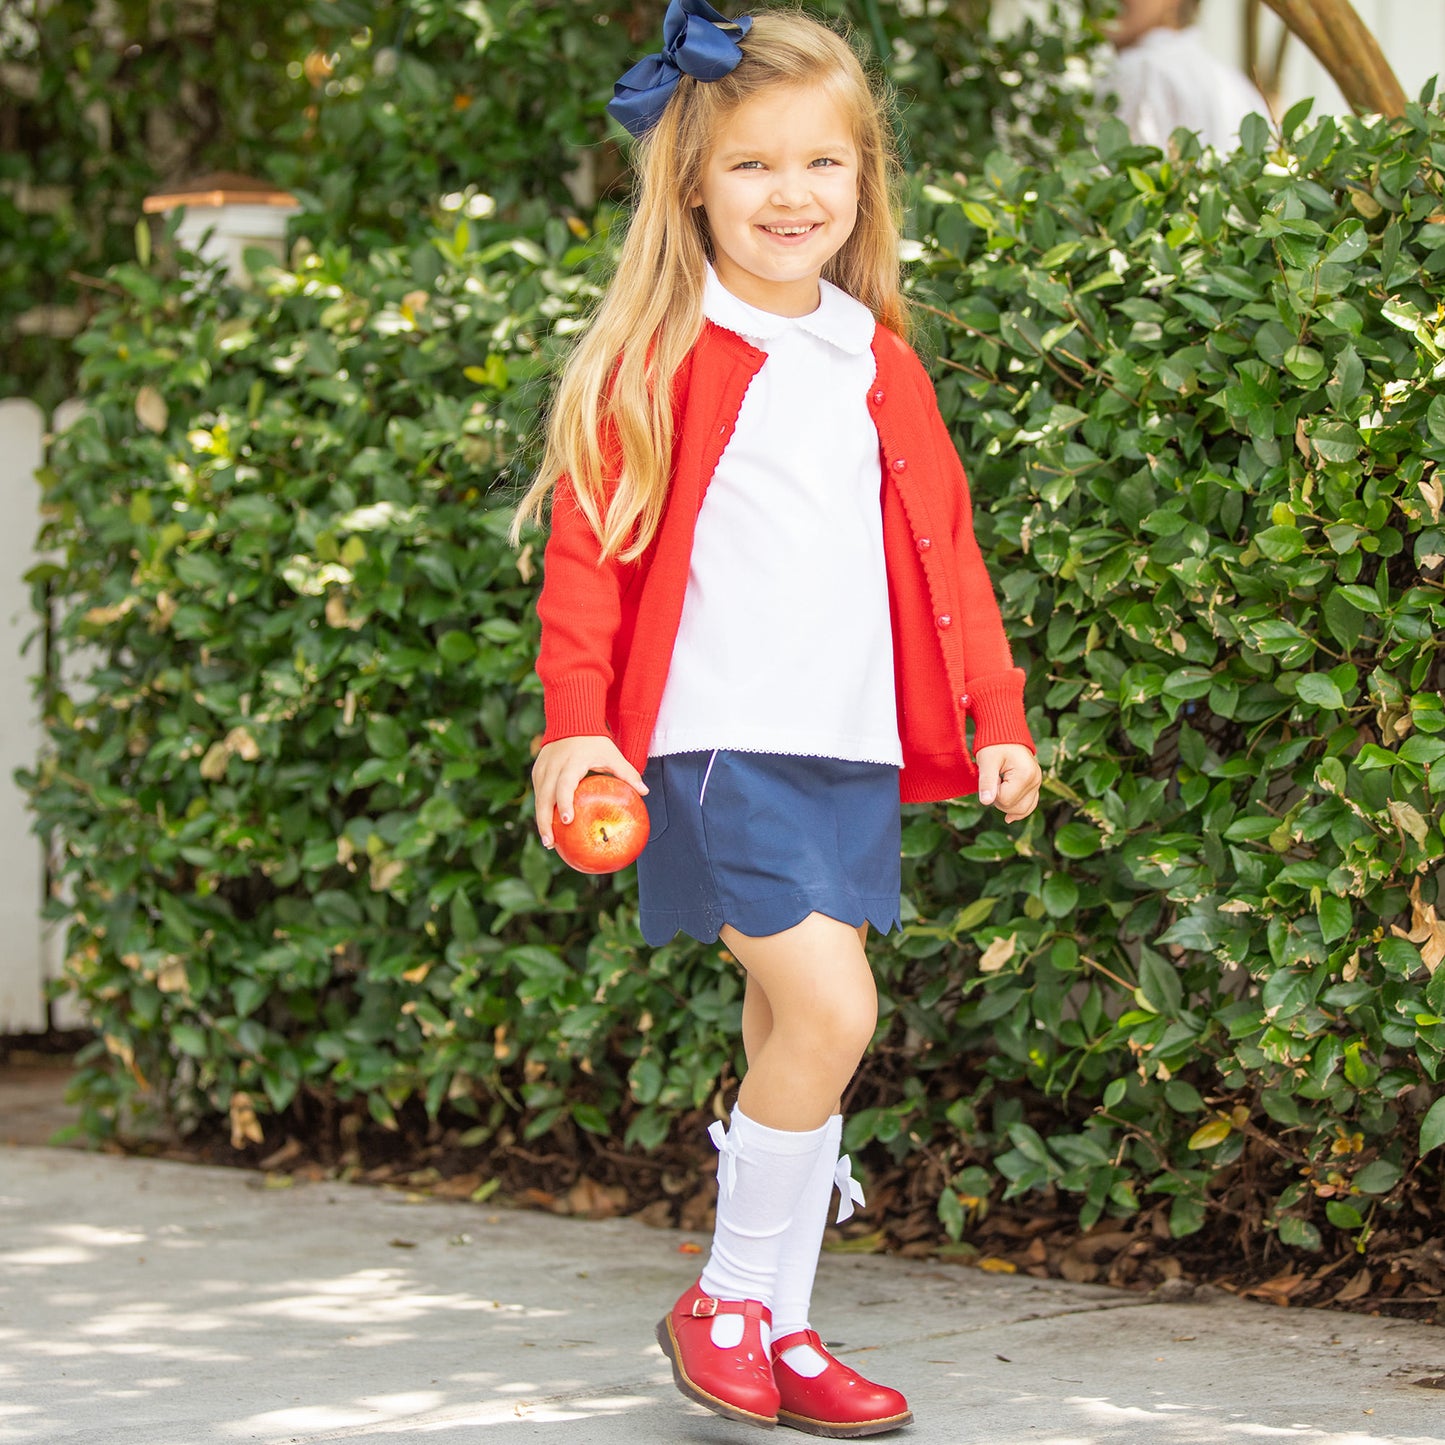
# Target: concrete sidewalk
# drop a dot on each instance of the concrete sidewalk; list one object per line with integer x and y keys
{"x": 168, "y": 1304}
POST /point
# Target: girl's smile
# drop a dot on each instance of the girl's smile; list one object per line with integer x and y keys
{"x": 780, "y": 192}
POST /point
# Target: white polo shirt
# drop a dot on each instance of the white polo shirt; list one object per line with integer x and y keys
{"x": 785, "y": 643}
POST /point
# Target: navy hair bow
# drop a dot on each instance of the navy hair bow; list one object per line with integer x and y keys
{"x": 696, "y": 41}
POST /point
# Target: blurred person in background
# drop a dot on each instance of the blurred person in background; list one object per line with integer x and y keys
{"x": 1165, "y": 77}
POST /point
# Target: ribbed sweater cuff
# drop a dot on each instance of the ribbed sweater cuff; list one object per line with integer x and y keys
{"x": 576, "y": 706}
{"x": 996, "y": 703}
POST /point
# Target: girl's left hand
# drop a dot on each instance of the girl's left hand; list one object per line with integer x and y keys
{"x": 1009, "y": 777}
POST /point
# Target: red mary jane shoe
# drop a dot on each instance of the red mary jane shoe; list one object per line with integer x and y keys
{"x": 839, "y": 1403}
{"x": 738, "y": 1382}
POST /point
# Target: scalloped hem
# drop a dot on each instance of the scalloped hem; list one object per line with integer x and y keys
{"x": 767, "y": 916}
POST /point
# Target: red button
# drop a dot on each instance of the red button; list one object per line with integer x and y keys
{"x": 878, "y": 398}
{"x": 923, "y": 543}
{"x": 945, "y": 620}
{"x": 899, "y": 465}
{"x": 964, "y": 700}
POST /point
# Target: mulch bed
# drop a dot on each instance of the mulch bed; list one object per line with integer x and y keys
{"x": 1401, "y": 1276}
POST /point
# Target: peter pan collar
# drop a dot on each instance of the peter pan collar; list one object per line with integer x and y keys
{"x": 840, "y": 319}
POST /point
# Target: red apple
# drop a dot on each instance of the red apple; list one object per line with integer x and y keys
{"x": 609, "y": 825}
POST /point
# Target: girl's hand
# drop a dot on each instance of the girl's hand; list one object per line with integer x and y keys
{"x": 1009, "y": 777}
{"x": 561, "y": 765}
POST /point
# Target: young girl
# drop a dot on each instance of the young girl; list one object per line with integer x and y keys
{"x": 762, "y": 585}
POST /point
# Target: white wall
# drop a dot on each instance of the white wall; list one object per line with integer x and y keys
{"x": 26, "y": 957}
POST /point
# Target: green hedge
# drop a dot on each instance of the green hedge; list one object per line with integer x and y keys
{"x": 371, "y": 109}
{"x": 1197, "y": 403}
{"x": 1202, "y": 409}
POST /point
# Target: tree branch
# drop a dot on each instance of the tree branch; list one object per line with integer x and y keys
{"x": 1343, "y": 44}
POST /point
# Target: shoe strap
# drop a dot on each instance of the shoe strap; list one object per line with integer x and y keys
{"x": 705, "y": 1307}
{"x": 784, "y": 1343}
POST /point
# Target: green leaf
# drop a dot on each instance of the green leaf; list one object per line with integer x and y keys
{"x": 1380, "y": 1177}
{"x": 1186, "y": 1216}
{"x": 1304, "y": 363}
{"x": 1159, "y": 982}
{"x": 1432, "y": 1127}
{"x": 592, "y": 1119}
{"x": 1348, "y": 244}
{"x": 974, "y": 915}
{"x": 190, "y": 1040}
{"x": 1280, "y": 544}
{"x": 1299, "y": 1232}
{"x": 1210, "y": 1135}
{"x": 1365, "y": 599}
{"x": 456, "y": 647}
{"x": 1347, "y": 379}
{"x": 1435, "y": 418}
{"x": 1321, "y": 690}
{"x": 1343, "y": 1215}
{"x": 1335, "y": 441}
{"x": 1335, "y": 919}
{"x": 1295, "y": 117}
{"x": 1077, "y": 840}
{"x": 440, "y": 815}
{"x": 385, "y": 736}
{"x": 1060, "y": 895}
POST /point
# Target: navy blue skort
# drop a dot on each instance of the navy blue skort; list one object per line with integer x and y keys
{"x": 760, "y": 841}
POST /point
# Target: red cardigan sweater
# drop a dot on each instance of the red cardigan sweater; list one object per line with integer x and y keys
{"x": 608, "y": 627}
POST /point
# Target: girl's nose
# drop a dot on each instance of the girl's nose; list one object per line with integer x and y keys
{"x": 790, "y": 189}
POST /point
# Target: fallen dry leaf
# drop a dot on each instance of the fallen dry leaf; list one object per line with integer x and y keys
{"x": 150, "y": 409}
{"x": 997, "y": 954}
{"x": 1357, "y": 1288}
{"x": 1278, "y": 1290}
{"x": 994, "y": 1265}
{"x": 245, "y": 1126}
{"x": 595, "y": 1201}
{"x": 1434, "y": 495}
{"x": 282, "y": 1156}
{"x": 459, "y": 1186}
{"x": 1426, "y": 930}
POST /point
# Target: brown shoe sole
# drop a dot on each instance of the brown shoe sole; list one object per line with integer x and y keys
{"x": 844, "y": 1432}
{"x": 696, "y": 1393}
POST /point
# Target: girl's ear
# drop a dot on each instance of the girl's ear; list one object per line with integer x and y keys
{"x": 694, "y": 200}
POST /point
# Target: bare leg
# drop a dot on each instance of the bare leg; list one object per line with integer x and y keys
{"x": 757, "y": 1018}
{"x": 758, "y": 1014}
{"x": 818, "y": 995}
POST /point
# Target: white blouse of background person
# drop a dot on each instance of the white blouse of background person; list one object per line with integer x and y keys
{"x": 1168, "y": 78}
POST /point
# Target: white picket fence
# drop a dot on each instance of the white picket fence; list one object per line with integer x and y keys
{"x": 30, "y": 951}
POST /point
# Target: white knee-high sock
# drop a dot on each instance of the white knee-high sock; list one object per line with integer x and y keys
{"x": 761, "y": 1174}
{"x": 793, "y": 1293}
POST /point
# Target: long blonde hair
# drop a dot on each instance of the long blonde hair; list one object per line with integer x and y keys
{"x": 611, "y": 428}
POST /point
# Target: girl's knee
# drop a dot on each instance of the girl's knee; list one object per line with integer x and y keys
{"x": 838, "y": 1028}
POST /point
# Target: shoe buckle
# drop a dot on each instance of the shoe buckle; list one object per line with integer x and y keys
{"x": 704, "y": 1309}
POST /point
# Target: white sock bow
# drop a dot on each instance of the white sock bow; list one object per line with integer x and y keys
{"x": 849, "y": 1189}
{"x": 726, "y": 1146}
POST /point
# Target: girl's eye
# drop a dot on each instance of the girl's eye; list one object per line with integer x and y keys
{"x": 749, "y": 165}
{"x": 825, "y": 161}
